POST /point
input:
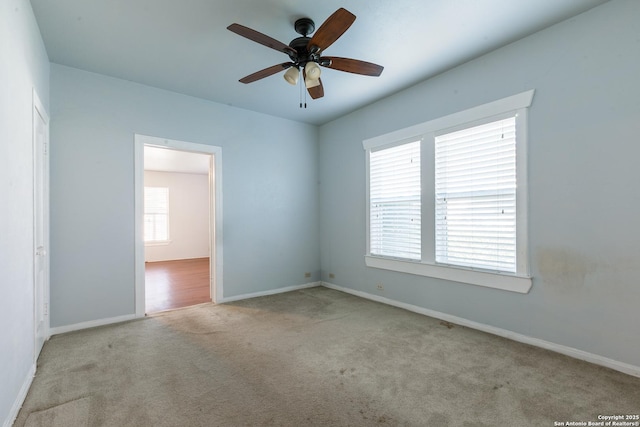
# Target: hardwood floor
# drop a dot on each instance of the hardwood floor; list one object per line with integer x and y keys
{"x": 175, "y": 284}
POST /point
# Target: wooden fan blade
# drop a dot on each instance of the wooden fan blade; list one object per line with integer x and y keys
{"x": 353, "y": 66}
{"x": 266, "y": 72}
{"x": 316, "y": 91}
{"x": 261, "y": 38}
{"x": 332, "y": 29}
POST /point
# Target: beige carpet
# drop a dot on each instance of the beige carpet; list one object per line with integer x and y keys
{"x": 311, "y": 357}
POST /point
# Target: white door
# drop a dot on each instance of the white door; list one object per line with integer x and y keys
{"x": 40, "y": 224}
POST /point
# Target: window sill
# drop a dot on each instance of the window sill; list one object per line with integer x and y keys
{"x": 507, "y": 282}
{"x": 158, "y": 243}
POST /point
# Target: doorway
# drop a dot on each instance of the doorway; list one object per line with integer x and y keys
{"x": 178, "y": 237}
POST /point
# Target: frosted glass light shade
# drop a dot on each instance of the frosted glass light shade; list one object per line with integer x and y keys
{"x": 311, "y": 83}
{"x": 292, "y": 75}
{"x": 312, "y": 71}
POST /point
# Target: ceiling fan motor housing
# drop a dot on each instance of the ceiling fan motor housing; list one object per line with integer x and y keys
{"x": 303, "y": 26}
{"x": 300, "y": 46}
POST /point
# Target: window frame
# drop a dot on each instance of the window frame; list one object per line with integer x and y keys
{"x": 520, "y": 281}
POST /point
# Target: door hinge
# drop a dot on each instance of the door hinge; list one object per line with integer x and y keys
{"x": 46, "y": 309}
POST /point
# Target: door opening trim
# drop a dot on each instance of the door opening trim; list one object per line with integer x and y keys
{"x": 41, "y": 206}
{"x": 215, "y": 213}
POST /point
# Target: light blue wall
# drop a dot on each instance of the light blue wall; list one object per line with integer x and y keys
{"x": 23, "y": 66}
{"x": 270, "y": 196}
{"x": 584, "y": 202}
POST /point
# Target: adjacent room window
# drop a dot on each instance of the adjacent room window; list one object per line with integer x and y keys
{"x": 156, "y": 214}
{"x": 448, "y": 198}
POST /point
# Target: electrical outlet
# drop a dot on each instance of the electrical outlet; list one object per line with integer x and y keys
{"x": 332, "y": 276}
{"x": 307, "y": 275}
{"x": 380, "y": 287}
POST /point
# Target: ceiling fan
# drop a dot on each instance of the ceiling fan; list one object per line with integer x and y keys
{"x": 306, "y": 52}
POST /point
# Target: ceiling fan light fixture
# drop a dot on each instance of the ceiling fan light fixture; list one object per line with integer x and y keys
{"x": 292, "y": 75}
{"x": 312, "y": 70}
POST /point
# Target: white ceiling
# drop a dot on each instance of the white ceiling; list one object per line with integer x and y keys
{"x": 167, "y": 160}
{"x": 184, "y": 46}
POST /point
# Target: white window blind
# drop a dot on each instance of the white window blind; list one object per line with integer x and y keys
{"x": 475, "y": 186}
{"x": 394, "y": 197}
{"x": 156, "y": 214}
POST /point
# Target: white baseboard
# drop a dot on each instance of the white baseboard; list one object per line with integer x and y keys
{"x": 101, "y": 322}
{"x": 90, "y": 324}
{"x": 271, "y": 292}
{"x": 17, "y": 404}
{"x": 558, "y": 348}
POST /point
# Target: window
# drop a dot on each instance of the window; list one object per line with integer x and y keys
{"x": 395, "y": 201}
{"x": 475, "y": 196}
{"x": 447, "y": 198}
{"x": 156, "y": 214}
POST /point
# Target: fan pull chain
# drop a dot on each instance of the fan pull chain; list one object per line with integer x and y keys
{"x": 302, "y": 91}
